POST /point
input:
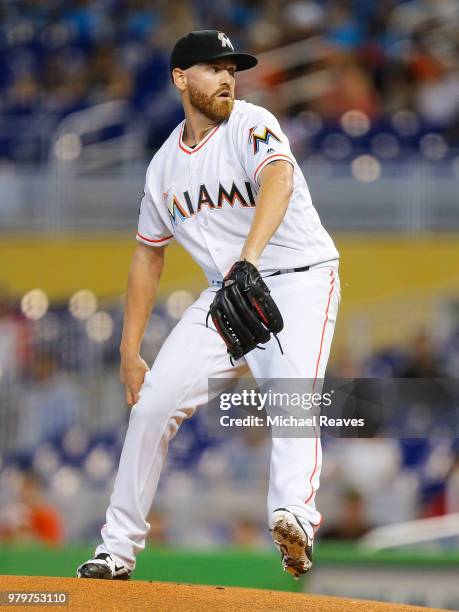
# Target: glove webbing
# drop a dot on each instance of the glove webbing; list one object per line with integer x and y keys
{"x": 262, "y": 315}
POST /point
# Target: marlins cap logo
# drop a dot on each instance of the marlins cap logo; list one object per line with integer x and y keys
{"x": 223, "y": 38}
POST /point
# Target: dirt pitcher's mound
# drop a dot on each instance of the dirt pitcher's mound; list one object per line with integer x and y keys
{"x": 104, "y": 595}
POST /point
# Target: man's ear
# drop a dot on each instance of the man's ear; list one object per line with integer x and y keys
{"x": 179, "y": 78}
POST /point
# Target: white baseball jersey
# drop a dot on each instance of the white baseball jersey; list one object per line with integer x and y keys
{"x": 205, "y": 197}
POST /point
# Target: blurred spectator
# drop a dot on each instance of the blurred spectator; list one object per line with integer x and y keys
{"x": 50, "y": 404}
{"x": 353, "y": 522}
{"x": 422, "y": 360}
{"x": 239, "y": 459}
{"x": 306, "y": 17}
{"x": 31, "y": 519}
{"x": 438, "y": 96}
{"x": 343, "y": 29}
{"x": 435, "y": 473}
{"x": 138, "y": 19}
{"x": 14, "y": 339}
{"x": 245, "y": 532}
{"x": 452, "y": 488}
{"x": 344, "y": 365}
{"x": 410, "y": 16}
{"x": 22, "y": 96}
{"x": 107, "y": 79}
{"x": 85, "y": 20}
{"x": 352, "y": 89}
{"x": 158, "y": 534}
{"x": 450, "y": 354}
{"x": 363, "y": 475}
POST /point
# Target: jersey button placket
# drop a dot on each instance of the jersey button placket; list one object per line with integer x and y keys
{"x": 194, "y": 159}
{"x": 202, "y": 216}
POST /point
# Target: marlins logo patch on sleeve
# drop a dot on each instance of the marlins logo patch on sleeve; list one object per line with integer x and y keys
{"x": 261, "y": 135}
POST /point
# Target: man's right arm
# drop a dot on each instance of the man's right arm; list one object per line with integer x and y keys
{"x": 143, "y": 280}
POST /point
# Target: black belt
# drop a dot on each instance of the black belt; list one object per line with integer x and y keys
{"x": 287, "y": 270}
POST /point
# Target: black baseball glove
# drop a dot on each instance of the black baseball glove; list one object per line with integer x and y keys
{"x": 243, "y": 311}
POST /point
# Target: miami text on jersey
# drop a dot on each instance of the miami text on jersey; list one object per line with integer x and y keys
{"x": 181, "y": 209}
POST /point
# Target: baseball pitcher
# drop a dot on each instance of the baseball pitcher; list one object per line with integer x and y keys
{"x": 225, "y": 186}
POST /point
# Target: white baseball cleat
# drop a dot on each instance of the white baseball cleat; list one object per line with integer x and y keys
{"x": 292, "y": 541}
{"x": 103, "y": 567}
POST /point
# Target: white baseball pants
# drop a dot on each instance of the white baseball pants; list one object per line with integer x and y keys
{"x": 178, "y": 379}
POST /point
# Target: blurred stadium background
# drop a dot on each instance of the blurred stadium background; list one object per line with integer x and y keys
{"x": 368, "y": 93}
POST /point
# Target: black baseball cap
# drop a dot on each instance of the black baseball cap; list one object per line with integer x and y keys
{"x": 205, "y": 46}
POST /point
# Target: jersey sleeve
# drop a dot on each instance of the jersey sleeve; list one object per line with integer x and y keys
{"x": 263, "y": 142}
{"x": 152, "y": 228}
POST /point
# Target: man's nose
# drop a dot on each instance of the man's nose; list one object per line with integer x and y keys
{"x": 225, "y": 78}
